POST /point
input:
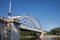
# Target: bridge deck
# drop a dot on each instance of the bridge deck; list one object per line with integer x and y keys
{"x": 23, "y": 26}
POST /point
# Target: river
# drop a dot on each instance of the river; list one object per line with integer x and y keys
{"x": 45, "y": 39}
{"x": 52, "y": 38}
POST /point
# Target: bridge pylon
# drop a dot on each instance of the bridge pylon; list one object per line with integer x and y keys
{"x": 9, "y": 28}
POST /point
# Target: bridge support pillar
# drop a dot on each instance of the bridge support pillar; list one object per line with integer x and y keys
{"x": 40, "y": 36}
{"x": 14, "y": 32}
{"x": 10, "y": 31}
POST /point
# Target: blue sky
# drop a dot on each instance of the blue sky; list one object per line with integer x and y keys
{"x": 47, "y": 11}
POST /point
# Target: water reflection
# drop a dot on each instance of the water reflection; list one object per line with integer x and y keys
{"x": 39, "y": 39}
{"x": 52, "y": 38}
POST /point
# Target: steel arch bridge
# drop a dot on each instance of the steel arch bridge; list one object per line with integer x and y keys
{"x": 11, "y": 26}
{"x": 29, "y": 23}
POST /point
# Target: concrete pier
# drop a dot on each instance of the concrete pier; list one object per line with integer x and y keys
{"x": 14, "y": 32}
{"x": 9, "y": 29}
{"x": 40, "y": 36}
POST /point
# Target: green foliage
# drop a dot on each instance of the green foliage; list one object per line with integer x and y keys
{"x": 55, "y": 31}
{"x": 27, "y": 33}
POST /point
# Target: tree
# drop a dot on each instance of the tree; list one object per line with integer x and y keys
{"x": 55, "y": 31}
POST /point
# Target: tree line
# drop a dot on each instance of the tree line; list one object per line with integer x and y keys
{"x": 54, "y": 31}
{"x": 27, "y": 33}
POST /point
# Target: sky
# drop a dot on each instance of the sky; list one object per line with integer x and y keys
{"x": 47, "y": 11}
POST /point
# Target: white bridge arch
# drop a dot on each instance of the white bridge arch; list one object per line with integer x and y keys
{"x": 29, "y": 23}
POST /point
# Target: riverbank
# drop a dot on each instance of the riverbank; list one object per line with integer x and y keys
{"x": 27, "y": 36}
{"x": 46, "y": 36}
{"x": 52, "y": 36}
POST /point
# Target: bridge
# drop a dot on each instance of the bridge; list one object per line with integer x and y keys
{"x": 29, "y": 23}
{"x": 9, "y": 27}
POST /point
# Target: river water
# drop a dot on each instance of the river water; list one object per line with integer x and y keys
{"x": 52, "y": 38}
{"x": 44, "y": 39}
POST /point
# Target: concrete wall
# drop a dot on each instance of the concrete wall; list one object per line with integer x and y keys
{"x": 12, "y": 31}
{"x": 1, "y": 29}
